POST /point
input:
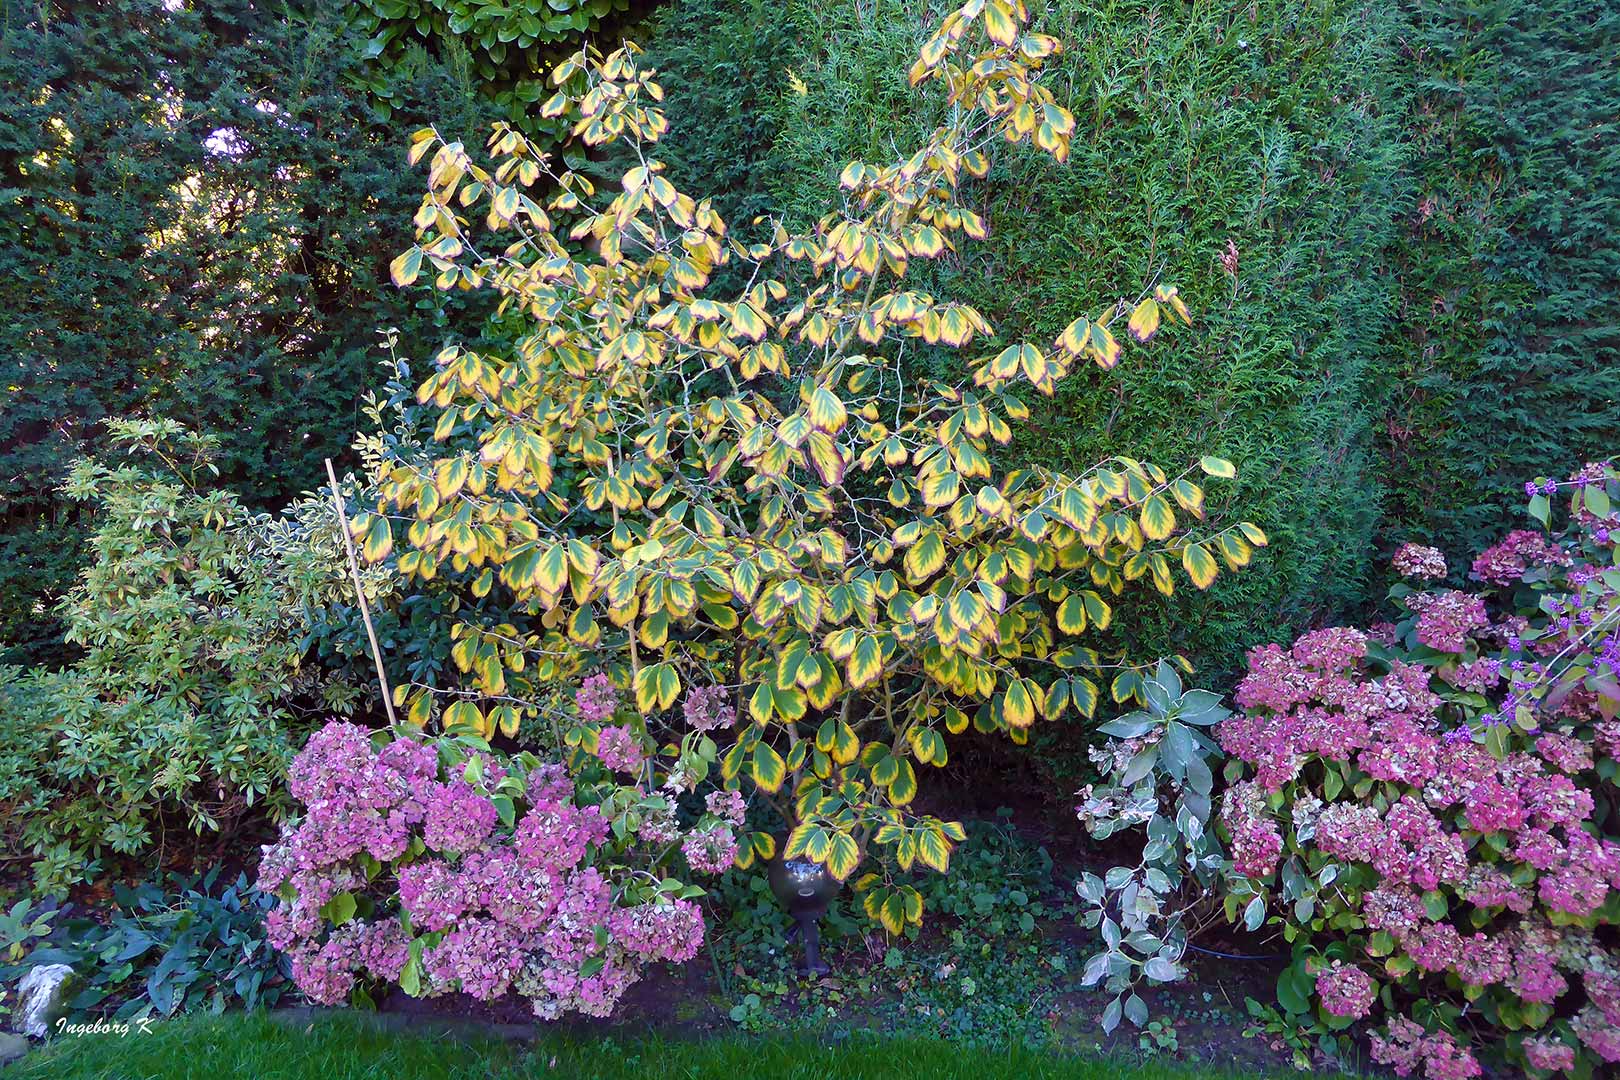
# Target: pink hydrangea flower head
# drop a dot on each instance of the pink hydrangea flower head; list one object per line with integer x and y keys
{"x": 1420, "y": 562}
{"x": 708, "y": 708}
{"x": 619, "y": 749}
{"x": 1345, "y": 990}
{"x": 596, "y": 699}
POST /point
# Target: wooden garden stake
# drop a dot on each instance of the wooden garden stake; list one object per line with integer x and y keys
{"x": 354, "y": 571}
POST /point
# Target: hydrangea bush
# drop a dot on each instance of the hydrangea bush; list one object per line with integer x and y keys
{"x": 1428, "y": 809}
{"x": 439, "y": 866}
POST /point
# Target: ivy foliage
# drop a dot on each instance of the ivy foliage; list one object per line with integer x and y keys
{"x": 192, "y": 209}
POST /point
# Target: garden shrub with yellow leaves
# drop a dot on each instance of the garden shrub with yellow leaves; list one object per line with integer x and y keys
{"x": 748, "y": 494}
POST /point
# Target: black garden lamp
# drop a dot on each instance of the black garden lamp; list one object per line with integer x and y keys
{"x": 806, "y": 890}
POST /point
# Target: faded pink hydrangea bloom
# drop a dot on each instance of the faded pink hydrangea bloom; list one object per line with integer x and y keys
{"x": 596, "y": 699}
{"x": 1345, "y": 990}
{"x": 1420, "y": 562}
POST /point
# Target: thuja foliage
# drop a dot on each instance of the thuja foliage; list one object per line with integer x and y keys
{"x": 1507, "y": 331}
{"x": 1429, "y": 811}
{"x": 191, "y": 202}
{"x": 750, "y": 491}
{"x": 1247, "y": 152}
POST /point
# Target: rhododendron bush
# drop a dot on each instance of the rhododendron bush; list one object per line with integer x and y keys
{"x": 1428, "y": 809}
{"x": 439, "y": 866}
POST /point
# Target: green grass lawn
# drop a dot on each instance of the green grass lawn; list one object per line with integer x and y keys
{"x": 217, "y": 1048}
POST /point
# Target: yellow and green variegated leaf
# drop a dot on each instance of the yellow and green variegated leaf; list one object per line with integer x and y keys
{"x": 463, "y": 718}
{"x": 798, "y": 842}
{"x": 925, "y": 557}
{"x": 884, "y": 765}
{"x": 826, "y": 735}
{"x": 1102, "y": 346}
{"x": 1057, "y": 700}
{"x": 888, "y": 909}
{"x": 1126, "y": 685}
{"x": 645, "y": 686}
{"x": 846, "y": 745}
{"x": 1016, "y": 706}
{"x": 1217, "y": 467}
{"x": 999, "y": 22}
{"x": 865, "y": 662}
{"x": 1235, "y": 550}
{"x": 1084, "y": 693}
{"x": 904, "y": 786}
{"x": 933, "y": 849}
{"x": 1098, "y": 610}
{"x": 1254, "y": 533}
{"x": 840, "y": 643}
{"x": 746, "y": 322}
{"x": 421, "y": 710}
{"x": 843, "y": 855}
{"x": 1189, "y": 496}
{"x": 1144, "y": 321}
{"x": 404, "y": 269}
{"x": 1160, "y": 570}
{"x": 764, "y": 845}
{"x": 1075, "y": 339}
{"x": 1199, "y": 564}
{"x": 668, "y": 684}
{"x": 941, "y": 489}
{"x": 1158, "y": 520}
{"x": 551, "y": 572}
{"x": 379, "y": 541}
{"x": 1071, "y": 615}
{"x": 449, "y": 476}
{"x": 769, "y": 770}
{"x": 912, "y": 902}
{"x": 762, "y": 703}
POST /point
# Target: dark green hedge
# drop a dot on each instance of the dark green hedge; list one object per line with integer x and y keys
{"x": 1264, "y": 126}
{"x": 197, "y": 210}
{"x": 1507, "y": 345}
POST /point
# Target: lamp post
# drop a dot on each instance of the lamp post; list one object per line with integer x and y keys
{"x": 806, "y": 890}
